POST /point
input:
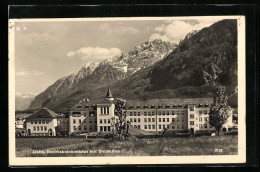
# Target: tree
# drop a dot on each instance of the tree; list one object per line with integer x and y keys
{"x": 219, "y": 111}
{"x": 120, "y": 126}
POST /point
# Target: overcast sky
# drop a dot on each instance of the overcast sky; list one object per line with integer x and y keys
{"x": 47, "y": 51}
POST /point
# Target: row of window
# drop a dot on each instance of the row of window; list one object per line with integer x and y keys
{"x": 78, "y": 114}
{"x": 84, "y": 128}
{"x": 152, "y": 113}
{"x": 104, "y": 128}
{"x": 200, "y": 125}
{"x": 104, "y": 110}
{"x": 40, "y": 128}
{"x": 173, "y": 119}
{"x": 104, "y": 121}
{"x": 200, "y": 118}
{"x": 40, "y": 121}
{"x": 84, "y": 121}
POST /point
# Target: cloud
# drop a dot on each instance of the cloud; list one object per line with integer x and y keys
{"x": 33, "y": 73}
{"x": 117, "y": 29}
{"x": 177, "y": 29}
{"x": 94, "y": 53}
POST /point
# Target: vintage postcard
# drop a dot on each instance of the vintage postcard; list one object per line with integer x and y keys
{"x": 138, "y": 90}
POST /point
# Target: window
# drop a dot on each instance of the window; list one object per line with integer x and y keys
{"x": 172, "y": 112}
{"x": 45, "y": 128}
{"x": 172, "y": 119}
{"x": 105, "y": 128}
{"x": 153, "y": 119}
{"x": 182, "y": 119}
{"x": 178, "y": 113}
{"x": 163, "y": 126}
{"x": 79, "y": 127}
{"x": 41, "y": 128}
{"x": 85, "y": 127}
{"x": 79, "y": 120}
{"x": 163, "y": 112}
{"x": 177, "y": 119}
{"x": 168, "y": 120}
{"x": 168, "y": 126}
{"x": 205, "y": 112}
{"x": 149, "y": 119}
{"x": 205, "y": 126}
{"x": 149, "y": 126}
{"x": 206, "y": 119}
{"x": 160, "y": 120}
{"x": 200, "y": 112}
{"x": 43, "y": 121}
{"x": 192, "y": 116}
{"x": 159, "y": 112}
{"x": 145, "y": 126}
{"x": 85, "y": 114}
{"x": 168, "y": 113}
{"x": 211, "y": 126}
{"x": 183, "y": 113}
{"x": 134, "y": 113}
{"x": 191, "y": 122}
{"x": 200, "y": 125}
{"x": 108, "y": 128}
{"x": 107, "y": 110}
{"x": 34, "y": 128}
{"x": 153, "y": 126}
{"x": 163, "y": 119}
{"x": 139, "y": 113}
{"x": 145, "y": 113}
{"x": 196, "y": 125}
{"x": 191, "y": 108}
{"x": 200, "y": 118}
{"x": 47, "y": 121}
{"x": 105, "y": 121}
{"x": 35, "y": 121}
{"x": 84, "y": 120}
{"x": 131, "y": 119}
{"x": 101, "y": 110}
{"x": 173, "y": 127}
{"x": 31, "y": 121}
{"x": 38, "y": 128}
{"x": 138, "y": 126}
{"x": 90, "y": 120}
{"x": 74, "y": 128}
{"x": 92, "y": 113}
{"x": 101, "y": 128}
{"x": 160, "y": 127}
{"x": 40, "y": 121}
{"x": 74, "y": 121}
{"x": 149, "y": 113}
{"x": 100, "y": 121}
{"x": 108, "y": 121}
{"x": 95, "y": 121}
{"x": 90, "y": 128}
{"x": 75, "y": 114}
{"x": 131, "y": 113}
{"x": 145, "y": 119}
{"x": 134, "y": 119}
{"x": 139, "y": 120}
{"x": 153, "y": 113}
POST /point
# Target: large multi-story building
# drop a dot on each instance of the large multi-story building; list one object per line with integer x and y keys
{"x": 83, "y": 118}
{"x": 42, "y": 123}
{"x": 152, "y": 115}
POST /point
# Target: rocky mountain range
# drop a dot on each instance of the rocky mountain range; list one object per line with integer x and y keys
{"x": 23, "y": 101}
{"x": 157, "y": 69}
{"x": 109, "y": 70}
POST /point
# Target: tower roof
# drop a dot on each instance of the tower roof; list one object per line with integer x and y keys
{"x": 109, "y": 94}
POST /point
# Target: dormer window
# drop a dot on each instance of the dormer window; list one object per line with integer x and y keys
{"x": 138, "y": 106}
{"x": 153, "y": 106}
{"x": 206, "y": 105}
{"x": 174, "y": 106}
{"x": 167, "y": 106}
{"x": 179, "y": 105}
{"x": 131, "y": 106}
{"x": 145, "y": 106}
{"x": 87, "y": 106}
{"x": 159, "y": 106}
{"x": 79, "y": 106}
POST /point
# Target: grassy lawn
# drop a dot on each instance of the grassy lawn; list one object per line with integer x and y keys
{"x": 205, "y": 145}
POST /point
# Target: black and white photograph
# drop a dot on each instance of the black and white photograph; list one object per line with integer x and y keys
{"x": 137, "y": 90}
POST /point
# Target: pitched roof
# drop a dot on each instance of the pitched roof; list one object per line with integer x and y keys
{"x": 109, "y": 94}
{"x": 105, "y": 101}
{"x": 44, "y": 113}
{"x": 166, "y": 103}
{"x": 84, "y": 105}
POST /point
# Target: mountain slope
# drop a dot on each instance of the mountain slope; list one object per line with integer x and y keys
{"x": 105, "y": 73}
